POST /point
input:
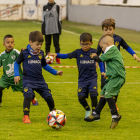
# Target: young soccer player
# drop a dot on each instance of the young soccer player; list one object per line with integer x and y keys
{"x": 108, "y": 27}
{"x": 7, "y": 59}
{"x": 33, "y": 60}
{"x": 87, "y": 80}
{"x": 115, "y": 78}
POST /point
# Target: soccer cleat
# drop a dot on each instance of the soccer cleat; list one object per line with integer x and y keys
{"x": 58, "y": 61}
{"x": 34, "y": 102}
{"x": 92, "y": 117}
{"x": 88, "y": 113}
{"x": 115, "y": 121}
{"x": 117, "y": 107}
{"x": 26, "y": 119}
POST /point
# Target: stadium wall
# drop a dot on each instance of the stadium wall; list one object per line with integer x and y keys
{"x": 125, "y": 17}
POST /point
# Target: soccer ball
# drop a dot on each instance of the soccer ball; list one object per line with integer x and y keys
{"x": 49, "y": 59}
{"x": 56, "y": 119}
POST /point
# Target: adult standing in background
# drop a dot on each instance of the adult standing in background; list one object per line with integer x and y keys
{"x": 51, "y": 26}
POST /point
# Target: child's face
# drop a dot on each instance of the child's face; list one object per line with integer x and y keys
{"x": 8, "y": 44}
{"x": 103, "y": 46}
{"x": 51, "y": 1}
{"x": 85, "y": 45}
{"x": 36, "y": 46}
{"x": 110, "y": 30}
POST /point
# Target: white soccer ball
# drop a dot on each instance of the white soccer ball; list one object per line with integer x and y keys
{"x": 49, "y": 59}
{"x": 56, "y": 119}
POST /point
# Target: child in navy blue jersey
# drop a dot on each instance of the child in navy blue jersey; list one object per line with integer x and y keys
{"x": 108, "y": 27}
{"x": 87, "y": 80}
{"x": 33, "y": 60}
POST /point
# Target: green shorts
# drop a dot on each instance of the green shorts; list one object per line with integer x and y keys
{"x": 112, "y": 87}
{"x": 7, "y": 82}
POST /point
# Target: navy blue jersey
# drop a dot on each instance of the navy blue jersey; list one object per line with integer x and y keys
{"x": 118, "y": 41}
{"x": 32, "y": 66}
{"x": 86, "y": 65}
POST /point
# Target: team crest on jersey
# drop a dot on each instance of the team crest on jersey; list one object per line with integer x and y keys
{"x": 80, "y": 89}
{"x": 29, "y": 56}
{"x": 40, "y": 56}
{"x": 13, "y": 57}
{"x": 81, "y": 55}
{"x": 91, "y": 55}
{"x": 26, "y": 89}
{"x": 116, "y": 43}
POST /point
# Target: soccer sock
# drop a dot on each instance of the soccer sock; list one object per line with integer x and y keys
{"x": 84, "y": 103}
{"x": 50, "y": 103}
{"x": 26, "y": 105}
{"x": 112, "y": 106}
{"x": 1, "y": 88}
{"x": 100, "y": 106}
{"x": 94, "y": 102}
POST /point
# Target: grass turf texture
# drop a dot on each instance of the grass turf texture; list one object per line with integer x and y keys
{"x": 65, "y": 94}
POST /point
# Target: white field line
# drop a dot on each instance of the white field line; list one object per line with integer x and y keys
{"x": 129, "y": 83}
{"x": 77, "y": 34}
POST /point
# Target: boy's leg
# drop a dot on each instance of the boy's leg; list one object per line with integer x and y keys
{"x": 50, "y": 103}
{"x": 1, "y": 89}
{"x": 47, "y": 43}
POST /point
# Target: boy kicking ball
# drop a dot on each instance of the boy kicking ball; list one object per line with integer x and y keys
{"x": 115, "y": 73}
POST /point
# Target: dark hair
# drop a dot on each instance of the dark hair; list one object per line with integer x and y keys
{"x": 7, "y": 36}
{"x": 104, "y": 37}
{"x": 86, "y": 37}
{"x": 36, "y": 36}
{"x": 108, "y": 23}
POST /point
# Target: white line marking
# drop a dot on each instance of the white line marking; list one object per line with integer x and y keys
{"x": 77, "y": 34}
{"x": 132, "y": 83}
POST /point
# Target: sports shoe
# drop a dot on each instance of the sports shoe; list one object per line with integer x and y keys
{"x": 92, "y": 117}
{"x": 34, "y": 102}
{"x": 26, "y": 119}
{"x": 115, "y": 121}
{"x": 88, "y": 113}
{"x": 117, "y": 107}
{"x": 58, "y": 61}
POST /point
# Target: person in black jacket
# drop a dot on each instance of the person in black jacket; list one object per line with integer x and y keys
{"x": 51, "y": 26}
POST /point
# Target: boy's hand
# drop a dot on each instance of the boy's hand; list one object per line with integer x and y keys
{"x": 103, "y": 74}
{"x": 16, "y": 79}
{"x": 136, "y": 57}
{"x": 97, "y": 65}
{"x": 93, "y": 54}
{"x": 52, "y": 54}
{"x": 60, "y": 72}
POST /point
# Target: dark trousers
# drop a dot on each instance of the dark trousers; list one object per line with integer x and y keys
{"x": 55, "y": 42}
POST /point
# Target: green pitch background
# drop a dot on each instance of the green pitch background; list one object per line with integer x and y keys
{"x": 64, "y": 91}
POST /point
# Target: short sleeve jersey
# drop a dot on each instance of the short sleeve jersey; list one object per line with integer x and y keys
{"x": 118, "y": 41}
{"x": 32, "y": 66}
{"x": 86, "y": 65}
{"x": 7, "y": 60}
{"x": 114, "y": 63}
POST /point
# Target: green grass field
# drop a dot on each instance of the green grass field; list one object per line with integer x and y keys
{"x": 64, "y": 91}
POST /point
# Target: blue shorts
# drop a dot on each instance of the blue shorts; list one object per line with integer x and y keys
{"x": 41, "y": 88}
{"x": 90, "y": 87}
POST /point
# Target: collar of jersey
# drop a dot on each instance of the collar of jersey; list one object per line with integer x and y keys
{"x": 31, "y": 51}
{"x": 108, "y": 48}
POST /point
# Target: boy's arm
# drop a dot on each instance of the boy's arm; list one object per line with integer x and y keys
{"x": 99, "y": 50}
{"x": 129, "y": 49}
{"x": 0, "y": 61}
{"x": 101, "y": 65}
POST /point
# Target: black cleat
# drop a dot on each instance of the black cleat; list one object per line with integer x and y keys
{"x": 92, "y": 117}
{"x": 115, "y": 121}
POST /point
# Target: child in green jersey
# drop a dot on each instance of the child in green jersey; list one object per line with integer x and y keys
{"x": 7, "y": 60}
{"x": 115, "y": 78}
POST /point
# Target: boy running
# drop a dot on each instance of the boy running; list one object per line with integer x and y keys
{"x": 33, "y": 60}
{"x": 115, "y": 78}
{"x": 87, "y": 80}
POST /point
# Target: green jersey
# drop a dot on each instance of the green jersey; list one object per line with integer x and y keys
{"x": 7, "y": 60}
{"x": 114, "y": 64}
